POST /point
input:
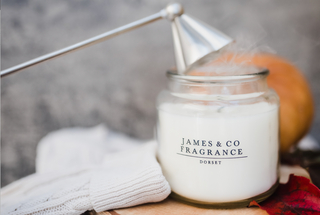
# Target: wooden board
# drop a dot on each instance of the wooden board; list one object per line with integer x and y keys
{"x": 173, "y": 207}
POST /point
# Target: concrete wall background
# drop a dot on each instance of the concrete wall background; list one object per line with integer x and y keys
{"x": 116, "y": 82}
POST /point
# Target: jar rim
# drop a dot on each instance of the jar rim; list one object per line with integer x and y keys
{"x": 260, "y": 72}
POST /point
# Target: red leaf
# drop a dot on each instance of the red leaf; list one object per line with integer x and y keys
{"x": 298, "y": 196}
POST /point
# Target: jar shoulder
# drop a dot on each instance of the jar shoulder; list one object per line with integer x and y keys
{"x": 226, "y": 105}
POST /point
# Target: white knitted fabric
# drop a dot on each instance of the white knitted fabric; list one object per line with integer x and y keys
{"x": 120, "y": 174}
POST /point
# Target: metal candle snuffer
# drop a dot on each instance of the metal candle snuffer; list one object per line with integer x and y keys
{"x": 218, "y": 126}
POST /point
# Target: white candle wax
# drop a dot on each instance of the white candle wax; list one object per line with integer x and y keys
{"x": 219, "y": 154}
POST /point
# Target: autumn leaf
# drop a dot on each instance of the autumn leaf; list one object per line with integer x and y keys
{"x": 298, "y": 196}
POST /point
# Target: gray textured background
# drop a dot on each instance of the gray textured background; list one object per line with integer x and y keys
{"x": 116, "y": 82}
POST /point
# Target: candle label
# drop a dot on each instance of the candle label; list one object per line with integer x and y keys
{"x": 209, "y": 149}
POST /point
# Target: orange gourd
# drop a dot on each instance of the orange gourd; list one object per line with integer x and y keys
{"x": 296, "y": 103}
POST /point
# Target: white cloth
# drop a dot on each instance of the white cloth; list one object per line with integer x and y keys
{"x": 309, "y": 143}
{"x": 82, "y": 169}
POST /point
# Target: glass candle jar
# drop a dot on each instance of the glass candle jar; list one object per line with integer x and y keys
{"x": 219, "y": 137}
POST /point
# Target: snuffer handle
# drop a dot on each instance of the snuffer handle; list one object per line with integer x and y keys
{"x": 170, "y": 12}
